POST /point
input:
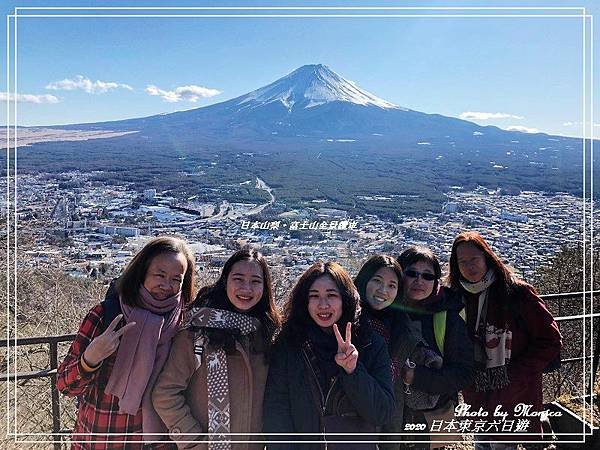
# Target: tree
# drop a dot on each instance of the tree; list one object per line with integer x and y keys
{"x": 565, "y": 272}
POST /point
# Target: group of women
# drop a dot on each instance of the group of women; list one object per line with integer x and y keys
{"x": 355, "y": 364}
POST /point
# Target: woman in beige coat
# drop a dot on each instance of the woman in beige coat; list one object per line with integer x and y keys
{"x": 213, "y": 382}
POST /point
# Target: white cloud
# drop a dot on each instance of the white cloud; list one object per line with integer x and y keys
{"x": 472, "y": 115}
{"x": 522, "y": 129}
{"x": 189, "y": 93}
{"x": 28, "y": 98}
{"x": 87, "y": 85}
{"x": 570, "y": 124}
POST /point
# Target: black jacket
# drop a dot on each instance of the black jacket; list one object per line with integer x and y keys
{"x": 459, "y": 366}
{"x": 403, "y": 342}
{"x": 457, "y": 372}
{"x": 295, "y": 403}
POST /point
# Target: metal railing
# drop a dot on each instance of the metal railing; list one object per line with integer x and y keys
{"x": 53, "y": 342}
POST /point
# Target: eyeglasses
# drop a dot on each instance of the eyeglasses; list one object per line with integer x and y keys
{"x": 425, "y": 275}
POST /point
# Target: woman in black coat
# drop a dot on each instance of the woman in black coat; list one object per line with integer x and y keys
{"x": 379, "y": 284}
{"x": 443, "y": 363}
{"x": 322, "y": 380}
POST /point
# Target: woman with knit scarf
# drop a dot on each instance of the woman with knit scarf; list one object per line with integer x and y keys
{"x": 113, "y": 363}
{"x": 379, "y": 284}
{"x": 329, "y": 372}
{"x": 515, "y": 338}
{"x": 214, "y": 380}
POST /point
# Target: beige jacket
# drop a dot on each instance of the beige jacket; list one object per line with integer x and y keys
{"x": 180, "y": 394}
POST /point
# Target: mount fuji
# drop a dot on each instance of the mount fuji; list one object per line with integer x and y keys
{"x": 310, "y": 86}
{"x": 311, "y": 102}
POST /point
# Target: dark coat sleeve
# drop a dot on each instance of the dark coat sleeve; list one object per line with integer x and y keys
{"x": 459, "y": 367}
{"x": 544, "y": 339}
{"x": 277, "y": 406}
{"x": 369, "y": 387}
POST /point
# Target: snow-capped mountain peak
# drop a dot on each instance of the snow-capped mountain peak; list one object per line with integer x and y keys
{"x": 310, "y": 86}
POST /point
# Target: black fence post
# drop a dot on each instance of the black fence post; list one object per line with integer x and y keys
{"x": 55, "y": 398}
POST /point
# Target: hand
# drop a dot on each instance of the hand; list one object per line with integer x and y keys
{"x": 106, "y": 343}
{"x": 347, "y": 355}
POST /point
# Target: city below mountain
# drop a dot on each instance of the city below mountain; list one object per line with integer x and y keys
{"x": 314, "y": 135}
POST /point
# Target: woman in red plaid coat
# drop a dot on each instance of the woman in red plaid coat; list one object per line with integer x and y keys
{"x": 113, "y": 362}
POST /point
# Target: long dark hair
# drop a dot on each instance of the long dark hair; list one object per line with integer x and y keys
{"x": 366, "y": 272}
{"x": 395, "y": 314}
{"x": 295, "y": 312}
{"x": 215, "y": 296}
{"x": 505, "y": 279}
{"x": 133, "y": 276}
{"x": 416, "y": 253}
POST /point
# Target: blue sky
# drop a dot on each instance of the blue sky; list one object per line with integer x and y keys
{"x": 509, "y": 72}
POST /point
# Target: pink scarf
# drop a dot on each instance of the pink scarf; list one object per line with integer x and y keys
{"x": 142, "y": 354}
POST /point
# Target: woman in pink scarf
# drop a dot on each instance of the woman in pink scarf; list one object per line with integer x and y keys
{"x": 113, "y": 362}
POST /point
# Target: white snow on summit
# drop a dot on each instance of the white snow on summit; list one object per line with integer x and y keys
{"x": 310, "y": 86}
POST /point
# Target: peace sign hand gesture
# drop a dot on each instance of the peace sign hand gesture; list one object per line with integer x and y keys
{"x": 106, "y": 343}
{"x": 347, "y": 355}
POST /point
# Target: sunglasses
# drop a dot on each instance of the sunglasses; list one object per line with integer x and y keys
{"x": 425, "y": 275}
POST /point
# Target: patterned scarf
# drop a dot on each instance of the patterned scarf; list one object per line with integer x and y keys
{"x": 493, "y": 349}
{"x": 199, "y": 319}
{"x": 142, "y": 354}
{"x": 383, "y": 330}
